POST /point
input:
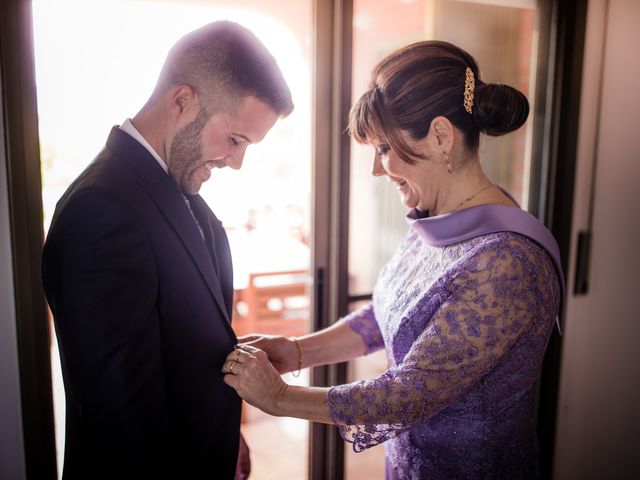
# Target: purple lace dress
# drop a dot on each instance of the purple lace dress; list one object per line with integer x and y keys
{"x": 464, "y": 309}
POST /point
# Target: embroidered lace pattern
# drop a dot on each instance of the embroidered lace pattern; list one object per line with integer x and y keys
{"x": 363, "y": 321}
{"x": 465, "y": 327}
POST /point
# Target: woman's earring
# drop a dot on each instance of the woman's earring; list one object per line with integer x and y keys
{"x": 445, "y": 157}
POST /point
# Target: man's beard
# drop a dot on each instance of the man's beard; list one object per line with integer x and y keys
{"x": 186, "y": 153}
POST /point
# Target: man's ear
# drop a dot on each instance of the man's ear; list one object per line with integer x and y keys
{"x": 442, "y": 130}
{"x": 184, "y": 103}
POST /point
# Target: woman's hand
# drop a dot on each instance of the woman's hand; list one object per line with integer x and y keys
{"x": 249, "y": 372}
{"x": 282, "y": 351}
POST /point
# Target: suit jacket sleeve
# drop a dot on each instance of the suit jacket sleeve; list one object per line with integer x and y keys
{"x": 101, "y": 283}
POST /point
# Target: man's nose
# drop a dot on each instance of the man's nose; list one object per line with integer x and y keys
{"x": 235, "y": 161}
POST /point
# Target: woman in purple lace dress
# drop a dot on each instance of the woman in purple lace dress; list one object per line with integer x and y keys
{"x": 464, "y": 308}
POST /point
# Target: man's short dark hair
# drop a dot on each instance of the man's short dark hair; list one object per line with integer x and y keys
{"x": 225, "y": 62}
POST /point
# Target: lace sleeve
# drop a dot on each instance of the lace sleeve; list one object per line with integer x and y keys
{"x": 489, "y": 305}
{"x": 363, "y": 322}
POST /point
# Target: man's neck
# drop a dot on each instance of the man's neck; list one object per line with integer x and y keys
{"x": 148, "y": 122}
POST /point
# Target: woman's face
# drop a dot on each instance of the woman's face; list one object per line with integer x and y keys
{"x": 417, "y": 184}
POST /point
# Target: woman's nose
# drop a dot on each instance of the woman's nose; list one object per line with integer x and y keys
{"x": 377, "y": 169}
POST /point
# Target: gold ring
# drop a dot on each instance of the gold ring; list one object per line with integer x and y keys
{"x": 231, "y": 367}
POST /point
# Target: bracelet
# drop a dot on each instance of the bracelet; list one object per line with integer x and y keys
{"x": 299, "y": 348}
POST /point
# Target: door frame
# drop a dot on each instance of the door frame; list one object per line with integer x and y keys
{"x": 552, "y": 197}
{"x": 332, "y": 98}
{"x": 26, "y": 232}
{"x": 330, "y": 200}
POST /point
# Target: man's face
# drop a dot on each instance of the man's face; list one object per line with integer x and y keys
{"x": 218, "y": 142}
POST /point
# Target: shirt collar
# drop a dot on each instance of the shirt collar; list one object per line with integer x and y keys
{"x": 450, "y": 228}
{"x": 128, "y": 127}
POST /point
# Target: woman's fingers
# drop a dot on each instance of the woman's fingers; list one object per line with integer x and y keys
{"x": 260, "y": 341}
{"x": 249, "y": 338}
{"x": 241, "y": 355}
{"x": 245, "y": 359}
{"x": 237, "y": 355}
{"x": 232, "y": 381}
{"x": 253, "y": 377}
{"x": 231, "y": 367}
{"x": 249, "y": 349}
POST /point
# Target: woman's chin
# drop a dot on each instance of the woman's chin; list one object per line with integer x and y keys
{"x": 409, "y": 203}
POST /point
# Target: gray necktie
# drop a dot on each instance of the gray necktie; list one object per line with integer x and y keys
{"x": 186, "y": 200}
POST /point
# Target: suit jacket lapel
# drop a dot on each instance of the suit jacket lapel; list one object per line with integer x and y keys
{"x": 167, "y": 197}
{"x": 218, "y": 246}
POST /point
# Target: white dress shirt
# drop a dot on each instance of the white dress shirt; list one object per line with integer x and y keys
{"x": 128, "y": 127}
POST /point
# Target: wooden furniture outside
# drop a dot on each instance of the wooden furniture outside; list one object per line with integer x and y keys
{"x": 273, "y": 302}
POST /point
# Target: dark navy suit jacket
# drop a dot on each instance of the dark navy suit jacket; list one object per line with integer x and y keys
{"x": 142, "y": 308}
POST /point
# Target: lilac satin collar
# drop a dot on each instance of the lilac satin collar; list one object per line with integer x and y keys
{"x": 485, "y": 219}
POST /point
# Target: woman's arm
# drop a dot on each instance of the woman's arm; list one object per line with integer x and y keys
{"x": 354, "y": 336}
{"x": 259, "y": 359}
{"x": 255, "y": 379}
{"x": 486, "y": 312}
{"x": 338, "y": 343}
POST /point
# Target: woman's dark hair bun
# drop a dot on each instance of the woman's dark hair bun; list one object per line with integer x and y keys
{"x": 499, "y": 109}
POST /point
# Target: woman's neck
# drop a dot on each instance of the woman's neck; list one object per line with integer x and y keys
{"x": 465, "y": 187}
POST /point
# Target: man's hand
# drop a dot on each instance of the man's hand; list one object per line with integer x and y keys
{"x": 282, "y": 351}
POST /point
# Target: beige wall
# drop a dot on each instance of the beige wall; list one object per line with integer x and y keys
{"x": 599, "y": 410}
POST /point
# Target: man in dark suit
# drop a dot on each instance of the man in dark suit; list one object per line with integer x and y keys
{"x": 138, "y": 274}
